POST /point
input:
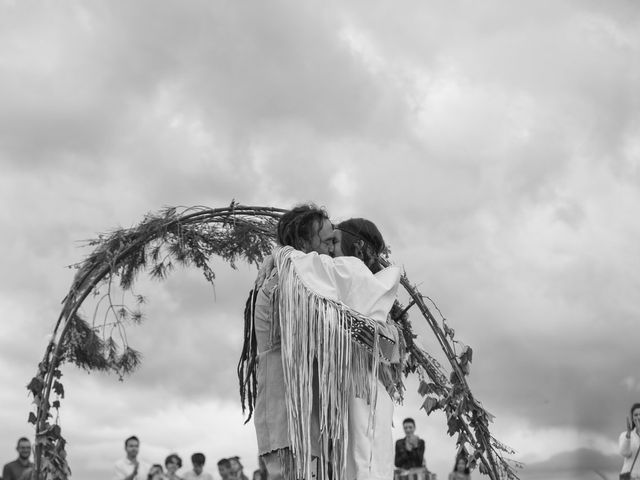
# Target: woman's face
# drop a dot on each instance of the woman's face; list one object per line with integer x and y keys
{"x": 172, "y": 465}
{"x": 636, "y": 417}
{"x": 337, "y": 243}
{"x": 461, "y": 465}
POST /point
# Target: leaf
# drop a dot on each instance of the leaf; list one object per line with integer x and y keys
{"x": 430, "y": 404}
{"x": 454, "y": 424}
{"x": 35, "y": 386}
{"x": 58, "y": 388}
{"x": 32, "y": 418}
{"x": 467, "y": 355}
{"x": 55, "y": 431}
{"x": 56, "y": 404}
{"x": 426, "y": 388}
{"x": 423, "y": 388}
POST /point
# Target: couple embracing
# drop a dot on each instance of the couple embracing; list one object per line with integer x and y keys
{"x": 320, "y": 360}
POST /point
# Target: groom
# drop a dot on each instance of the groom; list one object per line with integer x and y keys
{"x": 306, "y": 228}
{"x": 313, "y": 328}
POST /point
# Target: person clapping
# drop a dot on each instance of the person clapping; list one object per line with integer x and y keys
{"x": 629, "y": 443}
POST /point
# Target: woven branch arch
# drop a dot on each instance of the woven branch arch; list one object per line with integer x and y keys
{"x": 190, "y": 237}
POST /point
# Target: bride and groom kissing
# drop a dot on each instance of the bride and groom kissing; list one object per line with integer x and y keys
{"x": 318, "y": 367}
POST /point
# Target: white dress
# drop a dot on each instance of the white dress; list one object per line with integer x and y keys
{"x": 348, "y": 280}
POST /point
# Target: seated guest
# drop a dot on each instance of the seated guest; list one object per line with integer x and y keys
{"x": 409, "y": 459}
{"x": 410, "y": 449}
{"x": 197, "y": 460}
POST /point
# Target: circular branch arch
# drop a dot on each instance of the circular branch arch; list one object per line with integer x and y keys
{"x": 190, "y": 237}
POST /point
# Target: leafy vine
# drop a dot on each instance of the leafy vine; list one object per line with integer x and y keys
{"x": 190, "y": 237}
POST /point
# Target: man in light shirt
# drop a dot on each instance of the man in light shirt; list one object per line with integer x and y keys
{"x": 22, "y": 466}
{"x": 197, "y": 460}
{"x": 130, "y": 468}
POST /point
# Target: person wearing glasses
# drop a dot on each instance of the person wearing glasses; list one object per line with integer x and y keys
{"x": 21, "y": 466}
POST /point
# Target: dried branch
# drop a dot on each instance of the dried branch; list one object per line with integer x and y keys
{"x": 191, "y": 237}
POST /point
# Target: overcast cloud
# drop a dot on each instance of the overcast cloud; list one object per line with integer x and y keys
{"x": 497, "y": 146}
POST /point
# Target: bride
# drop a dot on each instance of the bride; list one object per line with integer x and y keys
{"x": 370, "y": 443}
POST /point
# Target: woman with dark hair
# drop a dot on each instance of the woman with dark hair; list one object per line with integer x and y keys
{"x": 156, "y": 472}
{"x": 173, "y": 463}
{"x": 359, "y": 237}
{"x": 629, "y": 443}
{"x": 460, "y": 470}
{"x": 370, "y": 445}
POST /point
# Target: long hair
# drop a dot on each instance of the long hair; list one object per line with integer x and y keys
{"x": 297, "y": 226}
{"x": 360, "y": 235}
{"x": 248, "y": 358}
{"x": 296, "y": 229}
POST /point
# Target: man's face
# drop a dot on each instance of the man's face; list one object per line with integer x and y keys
{"x": 24, "y": 449}
{"x": 409, "y": 428}
{"x": 132, "y": 447}
{"x": 322, "y": 241}
{"x": 337, "y": 243}
{"x": 197, "y": 468}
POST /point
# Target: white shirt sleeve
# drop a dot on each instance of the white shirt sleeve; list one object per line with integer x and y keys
{"x": 349, "y": 281}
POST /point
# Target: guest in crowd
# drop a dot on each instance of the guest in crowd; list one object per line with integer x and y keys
{"x": 156, "y": 472}
{"x": 130, "y": 468}
{"x": 21, "y": 466}
{"x": 224, "y": 469}
{"x": 197, "y": 461}
{"x": 460, "y": 470}
{"x": 173, "y": 463}
{"x": 410, "y": 449}
{"x": 629, "y": 445}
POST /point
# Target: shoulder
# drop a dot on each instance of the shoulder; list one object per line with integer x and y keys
{"x": 7, "y": 470}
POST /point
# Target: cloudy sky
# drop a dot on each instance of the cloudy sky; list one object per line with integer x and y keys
{"x": 496, "y": 144}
